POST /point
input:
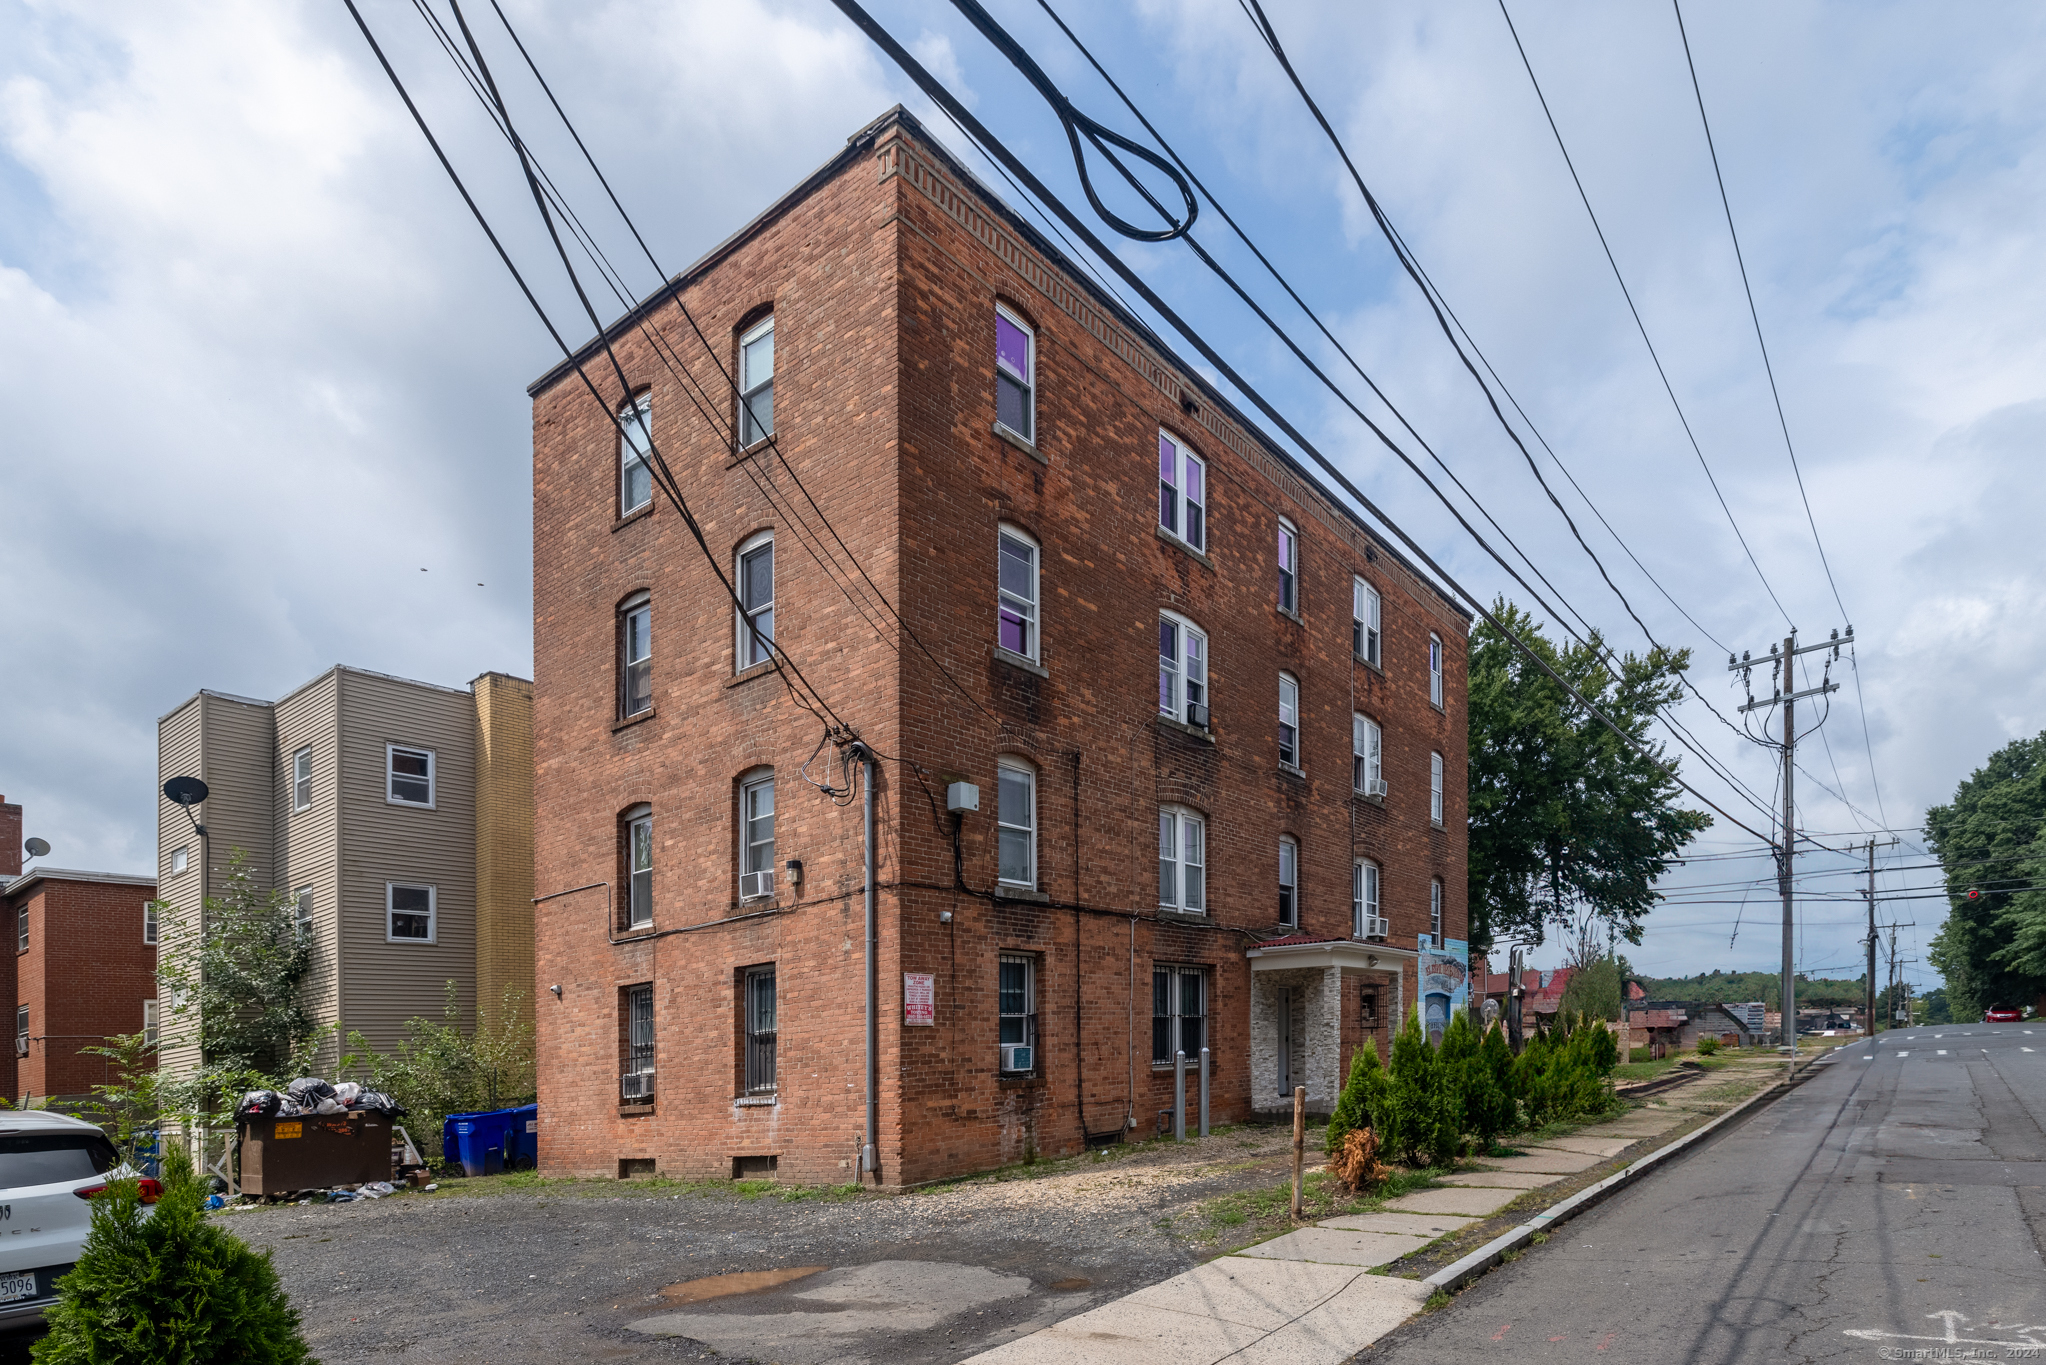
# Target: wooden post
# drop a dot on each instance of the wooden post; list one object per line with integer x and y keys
{"x": 1299, "y": 1142}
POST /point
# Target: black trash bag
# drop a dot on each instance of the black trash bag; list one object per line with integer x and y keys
{"x": 308, "y": 1091}
{"x": 259, "y": 1104}
{"x": 376, "y": 1101}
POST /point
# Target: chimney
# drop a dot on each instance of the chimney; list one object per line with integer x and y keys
{"x": 10, "y": 839}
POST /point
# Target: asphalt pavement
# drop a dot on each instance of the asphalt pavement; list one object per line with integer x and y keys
{"x": 1893, "y": 1204}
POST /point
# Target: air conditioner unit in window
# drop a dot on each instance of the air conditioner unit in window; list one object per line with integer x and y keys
{"x": 1197, "y": 715}
{"x": 21, "y": 1045}
{"x": 753, "y": 885}
{"x": 1377, "y": 926}
{"x": 1374, "y": 786}
{"x": 636, "y": 1085}
{"x": 1018, "y": 1057}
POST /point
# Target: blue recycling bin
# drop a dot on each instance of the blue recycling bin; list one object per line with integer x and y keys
{"x": 493, "y": 1140}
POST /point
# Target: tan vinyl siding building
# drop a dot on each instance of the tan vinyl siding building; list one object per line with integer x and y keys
{"x": 305, "y": 786}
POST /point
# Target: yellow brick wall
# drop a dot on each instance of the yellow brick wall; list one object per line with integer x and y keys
{"x": 504, "y": 842}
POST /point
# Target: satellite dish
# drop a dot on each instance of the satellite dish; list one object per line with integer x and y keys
{"x": 37, "y": 848}
{"x": 186, "y": 791}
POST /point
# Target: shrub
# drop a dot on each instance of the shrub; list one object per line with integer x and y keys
{"x": 1363, "y": 1097}
{"x": 168, "y": 1287}
{"x": 1530, "y": 1079}
{"x": 1489, "y": 1104}
{"x": 1455, "y": 1086}
{"x": 1407, "y": 1128}
{"x": 1356, "y": 1162}
{"x": 1707, "y": 1045}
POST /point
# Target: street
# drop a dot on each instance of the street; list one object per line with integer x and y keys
{"x": 1893, "y": 1203}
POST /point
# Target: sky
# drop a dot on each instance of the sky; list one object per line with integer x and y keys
{"x": 262, "y": 400}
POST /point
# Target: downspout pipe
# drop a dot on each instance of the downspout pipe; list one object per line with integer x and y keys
{"x": 870, "y": 1153}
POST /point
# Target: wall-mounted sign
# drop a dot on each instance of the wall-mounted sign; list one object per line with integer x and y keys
{"x": 919, "y": 998}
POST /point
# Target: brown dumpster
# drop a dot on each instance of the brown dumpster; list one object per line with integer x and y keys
{"x": 314, "y": 1152}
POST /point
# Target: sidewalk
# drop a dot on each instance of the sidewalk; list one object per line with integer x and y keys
{"x": 1307, "y": 1297}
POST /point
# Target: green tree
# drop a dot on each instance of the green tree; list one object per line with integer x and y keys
{"x": 438, "y": 1070}
{"x": 1460, "y": 1086}
{"x": 1408, "y": 1125}
{"x": 1363, "y": 1097}
{"x": 1594, "y": 990}
{"x": 1568, "y": 824}
{"x": 1992, "y": 949}
{"x": 1497, "y": 1111}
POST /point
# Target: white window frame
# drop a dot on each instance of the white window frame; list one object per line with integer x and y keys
{"x": 21, "y": 1030}
{"x": 744, "y": 644}
{"x": 1434, "y": 669}
{"x": 1289, "y": 880}
{"x": 1028, "y": 1015}
{"x": 639, "y": 881}
{"x": 1182, "y": 848}
{"x": 21, "y": 927}
{"x": 149, "y": 925}
{"x": 1366, "y": 612}
{"x": 1172, "y": 494}
{"x": 1175, "y": 680}
{"x": 302, "y": 779}
{"x": 180, "y": 860}
{"x": 302, "y": 913}
{"x": 1288, "y": 552}
{"x": 432, "y": 913}
{"x": 1367, "y": 754}
{"x": 432, "y": 776}
{"x": 751, "y": 429}
{"x": 1006, "y": 830}
{"x": 759, "y": 780}
{"x": 1028, "y": 381}
{"x": 1289, "y": 722}
{"x": 1435, "y": 787}
{"x": 1365, "y": 884}
{"x": 1435, "y": 911}
{"x": 149, "y": 1024}
{"x": 1010, "y": 603}
{"x": 636, "y": 424}
{"x": 1175, "y": 1012}
{"x": 635, "y": 630}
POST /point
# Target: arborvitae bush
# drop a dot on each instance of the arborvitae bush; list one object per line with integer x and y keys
{"x": 1408, "y": 1125}
{"x": 1456, "y": 1085}
{"x": 1530, "y": 1079}
{"x": 1707, "y": 1045}
{"x": 1363, "y": 1097}
{"x": 1490, "y": 1103}
{"x": 168, "y": 1287}
{"x": 1604, "y": 1049}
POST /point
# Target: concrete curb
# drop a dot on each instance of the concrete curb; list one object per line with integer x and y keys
{"x": 1453, "y": 1277}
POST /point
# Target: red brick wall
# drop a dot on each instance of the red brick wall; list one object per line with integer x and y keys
{"x": 10, "y": 839}
{"x": 83, "y": 977}
{"x": 891, "y": 432}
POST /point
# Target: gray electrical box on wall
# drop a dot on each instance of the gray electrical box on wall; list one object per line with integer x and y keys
{"x": 962, "y": 796}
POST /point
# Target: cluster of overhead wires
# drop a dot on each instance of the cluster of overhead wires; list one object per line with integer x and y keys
{"x": 1175, "y": 196}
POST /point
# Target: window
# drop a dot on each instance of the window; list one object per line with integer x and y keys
{"x": 1289, "y": 880}
{"x": 1289, "y": 721}
{"x": 639, "y": 866}
{"x": 1016, "y": 824}
{"x": 411, "y": 913}
{"x": 1435, "y": 669}
{"x": 1016, "y": 1005}
{"x": 1289, "y": 566}
{"x": 149, "y": 922}
{"x": 1435, "y": 787}
{"x": 21, "y": 1031}
{"x": 1182, "y": 671}
{"x": 760, "y": 1031}
{"x": 1435, "y": 912}
{"x": 1015, "y": 374}
{"x": 302, "y": 779}
{"x": 1365, "y": 921}
{"x": 411, "y": 775}
{"x": 635, "y": 656}
{"x": 1182, "y": 861}
{"x": 1016, "y": 626}
{"x": 1179, "y": 1013}
{"x": 149, "y": 1023}
{"x": 302, "y": 911}
{"x": 635, "y": 454}
{"x": 1182, "y": 495}
{"x": 639, "y": 1036}
{"x": 756, "y": 383}
{"x": 21, "y": 927}
{"x": 756, "y": 837}
{"x": 181, "y": 858}
{"x": 756, "y": 600}
{"x": 1364, "y": 609}
{"x": 1367, "y": 761}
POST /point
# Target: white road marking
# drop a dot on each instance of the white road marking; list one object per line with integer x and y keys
{"x": 2027, "y": 1336}
{"x": 1904, "y": 1054}
{"x": 2024, "y": 1049}
{"x": 1942, "y": 1052}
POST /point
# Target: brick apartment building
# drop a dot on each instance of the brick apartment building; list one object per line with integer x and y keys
{"x": 396, "y": 813}
{"x": 82, "y": 970}
{"x": 1216, "y": 725}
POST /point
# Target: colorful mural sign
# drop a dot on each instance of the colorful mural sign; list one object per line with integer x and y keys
{"x": 1445, "y": 983}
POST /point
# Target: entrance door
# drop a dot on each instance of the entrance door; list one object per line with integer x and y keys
{"x": 1286, "y": 1081}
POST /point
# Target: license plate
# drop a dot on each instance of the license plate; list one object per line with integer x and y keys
{"x": 17, "y": 1287}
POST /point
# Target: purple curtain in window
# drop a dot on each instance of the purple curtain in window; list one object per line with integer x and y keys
{"x": 1012, "y": 347}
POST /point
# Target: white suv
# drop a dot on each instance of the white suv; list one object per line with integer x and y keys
{"x": 51, "y": 1165}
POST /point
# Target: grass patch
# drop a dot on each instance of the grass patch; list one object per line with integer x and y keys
{"x": 1239, "y": 1219}
{"x": 1437, "y": 1301}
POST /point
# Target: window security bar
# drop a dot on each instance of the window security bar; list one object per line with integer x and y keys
{"x": 636, "y": 1085}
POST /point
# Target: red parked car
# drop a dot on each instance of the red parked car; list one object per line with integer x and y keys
{"x": 1999, "y": 1014}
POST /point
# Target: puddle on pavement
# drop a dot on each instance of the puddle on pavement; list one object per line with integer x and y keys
{"x": 1067, "y": 1286}
{"x": 739, "y": 1282}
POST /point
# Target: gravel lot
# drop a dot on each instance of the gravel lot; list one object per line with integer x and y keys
{"x": 495, "y": 1270}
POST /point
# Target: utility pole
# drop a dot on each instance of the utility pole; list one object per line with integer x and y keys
{"x": 1869, "y": 979}
{"x": 1787, "y": 696}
